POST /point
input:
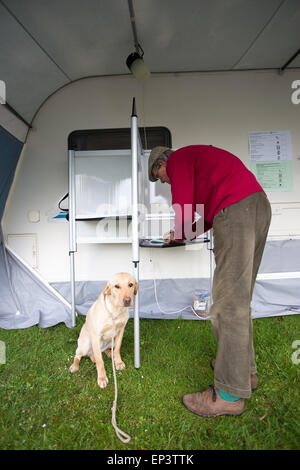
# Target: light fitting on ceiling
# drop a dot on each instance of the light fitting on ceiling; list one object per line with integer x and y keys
{"x": 137, "y": 66}
{"x": 135, "y": 61}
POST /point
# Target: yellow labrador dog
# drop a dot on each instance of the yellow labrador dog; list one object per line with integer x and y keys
{"x": 107, "y": 315}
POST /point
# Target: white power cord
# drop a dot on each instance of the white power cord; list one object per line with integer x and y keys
{"x": 177, "y": 311}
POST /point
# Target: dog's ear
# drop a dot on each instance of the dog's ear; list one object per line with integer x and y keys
{"x": 107, "y": 289}
{"x": 136, "y": 288}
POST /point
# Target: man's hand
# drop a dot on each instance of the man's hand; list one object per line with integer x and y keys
{"x": 169, "y": 236}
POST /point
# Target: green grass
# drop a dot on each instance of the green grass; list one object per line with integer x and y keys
{"x": 43, "y": 406}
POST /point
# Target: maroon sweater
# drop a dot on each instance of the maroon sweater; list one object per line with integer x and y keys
{"x": 203, "y": 174}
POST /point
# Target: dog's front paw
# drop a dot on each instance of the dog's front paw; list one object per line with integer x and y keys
{"x": 73, "y": 368}
{"x": 102, "y": 381}
{"x": 120, "y": 365}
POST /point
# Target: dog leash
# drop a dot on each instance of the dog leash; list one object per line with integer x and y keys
{"x": 120, "y": 434}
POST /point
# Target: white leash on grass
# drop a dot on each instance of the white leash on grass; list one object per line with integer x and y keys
{"x": 120, "y": 434}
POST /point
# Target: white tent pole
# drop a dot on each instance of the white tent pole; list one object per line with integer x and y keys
{"x": 72, "y": 231}
{"x": 211, "y": 264}
{"x": 137, "y": 363}
{"x": 72, "y": 274}
{"x": 135, "y": 230}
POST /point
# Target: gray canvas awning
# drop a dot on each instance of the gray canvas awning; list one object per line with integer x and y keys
{"x": 25, "y": 299}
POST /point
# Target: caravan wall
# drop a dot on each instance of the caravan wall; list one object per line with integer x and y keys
{"x": 198, "y": 108}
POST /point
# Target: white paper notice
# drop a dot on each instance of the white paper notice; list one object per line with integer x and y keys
{"x": 270, "y": 146}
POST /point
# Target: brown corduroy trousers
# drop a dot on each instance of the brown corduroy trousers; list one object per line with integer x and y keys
{"x": 240, "y": 231}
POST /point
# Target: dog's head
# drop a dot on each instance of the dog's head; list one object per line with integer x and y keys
{"x": 121, "y": 288}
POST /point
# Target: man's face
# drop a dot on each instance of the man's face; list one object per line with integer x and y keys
{"x": 161, "y": 173}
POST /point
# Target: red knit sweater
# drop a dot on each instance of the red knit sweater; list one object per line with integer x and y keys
{"x": 203, "y": 174}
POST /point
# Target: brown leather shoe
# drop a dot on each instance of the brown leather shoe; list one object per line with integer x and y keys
{"x": 253, "y": 378}
{"x": 209, "y": 404}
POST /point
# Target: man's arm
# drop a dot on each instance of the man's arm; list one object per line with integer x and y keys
{"x": 182, "y": 176}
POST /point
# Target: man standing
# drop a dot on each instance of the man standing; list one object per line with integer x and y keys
{"x": 238, "y": 211}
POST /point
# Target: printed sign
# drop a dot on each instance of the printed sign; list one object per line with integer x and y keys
{"x": 270, "y": 146}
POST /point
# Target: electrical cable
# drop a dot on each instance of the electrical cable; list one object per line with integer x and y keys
{"x": 177, "y": 311}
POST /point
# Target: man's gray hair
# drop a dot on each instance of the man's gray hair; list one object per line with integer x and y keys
{"x": 164, "y": 157}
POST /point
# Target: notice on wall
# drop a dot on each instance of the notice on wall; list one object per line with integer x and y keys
{"x": 270, "y": 146}
{"x": 274, "y": 176}
{"x": 272, "y": 159}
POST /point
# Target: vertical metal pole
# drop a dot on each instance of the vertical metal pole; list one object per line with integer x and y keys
{"x": 72, "y": 231}
{"x": 211, "y": 263}
{"x": 135, "y": 230}
{"x": 137, "y": 363}
{"x": 72, "y": 274}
